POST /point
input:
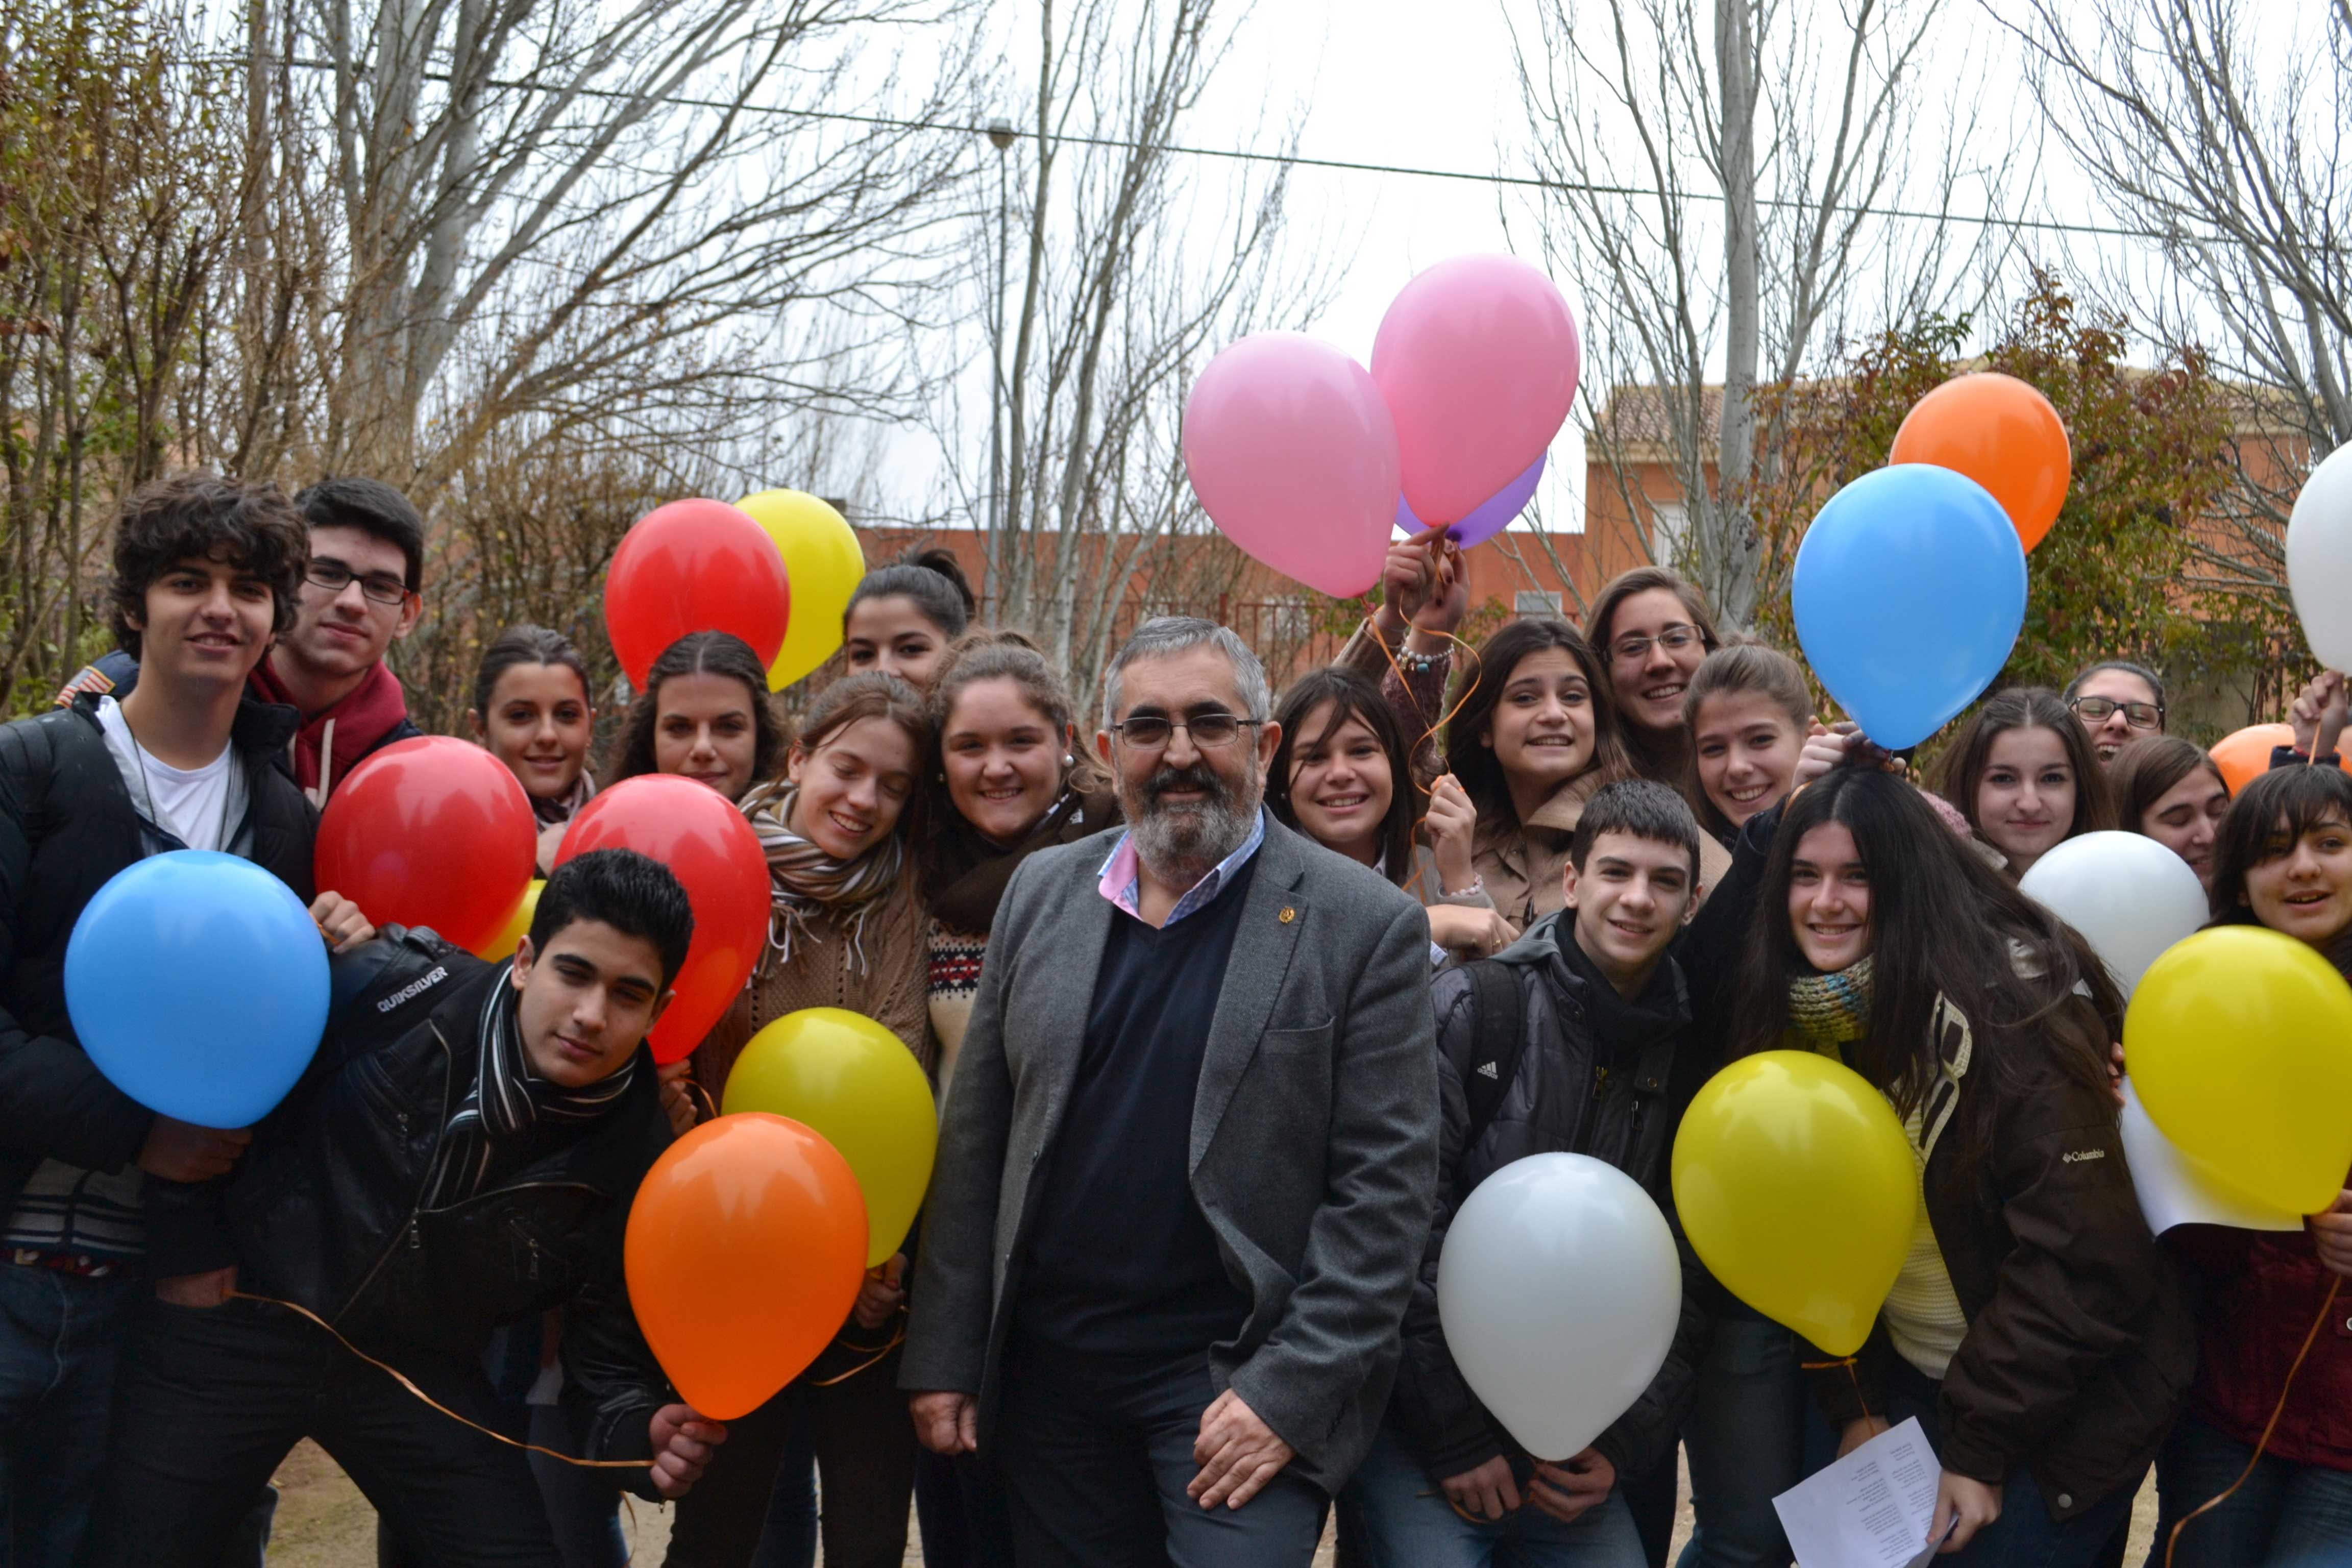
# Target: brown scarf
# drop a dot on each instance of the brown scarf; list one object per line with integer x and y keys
{"x": 965, "y": 874}
{"x": 804, "y": 881}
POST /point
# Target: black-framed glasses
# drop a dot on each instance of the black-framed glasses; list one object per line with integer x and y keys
{"x": 380, "y": 587}
{"x": 1150, "y": 732}
{"x": 2139, "y": 715}
{"x": 1674, "y": 639}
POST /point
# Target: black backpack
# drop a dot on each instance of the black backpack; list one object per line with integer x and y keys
{"x": 1499, "y": 1011}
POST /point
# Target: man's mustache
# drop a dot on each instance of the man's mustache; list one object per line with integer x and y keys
{"x": 1196, "y": 777}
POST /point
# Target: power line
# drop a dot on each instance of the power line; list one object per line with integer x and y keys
{"x": 1286, "y": 159}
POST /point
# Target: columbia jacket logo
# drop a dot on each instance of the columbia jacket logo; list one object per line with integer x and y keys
{"x": 434, "y": 977}
{"x": 2079, "y": 1156}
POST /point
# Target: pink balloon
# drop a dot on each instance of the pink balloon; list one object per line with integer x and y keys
{"x": 1294, "y": 457}
{"x": 1478, "y": 359}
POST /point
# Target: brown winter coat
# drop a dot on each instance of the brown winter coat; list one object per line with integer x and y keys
{"x": 2080, "y": 1343}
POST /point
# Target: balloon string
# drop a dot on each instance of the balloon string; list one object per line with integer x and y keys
{"x": 895, "y": 1340}
{"x": 2172, "y": 1541}
{"x": 1861, "y": 1401}
{"x": 402, "y": 1378}
{"x": 1476, "y": 670}
{"x": 710, "y": 1106}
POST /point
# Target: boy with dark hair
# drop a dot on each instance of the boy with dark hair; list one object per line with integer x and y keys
{"x": 461, "y": 1154}
{"x": 357, "y": 596}
{"x": 1564, "y": 1042}
{"x": 205, "y": 577}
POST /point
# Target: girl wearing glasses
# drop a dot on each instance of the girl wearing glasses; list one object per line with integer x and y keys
{"x": 532, "y": 712}
{"x": 1651, "y": 629}
{"x": 2023, "y": 774}
{"x": 2117, "y": 702}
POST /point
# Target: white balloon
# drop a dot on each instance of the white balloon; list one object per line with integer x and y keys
{"x": 2129, "y": 896}
{"x": 1560, "y": 1291}
{"x": 2319, "y": 559}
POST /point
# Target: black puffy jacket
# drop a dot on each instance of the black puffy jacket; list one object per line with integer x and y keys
{"x": 67, "y": 825}
{"x": 324, "y": 1208}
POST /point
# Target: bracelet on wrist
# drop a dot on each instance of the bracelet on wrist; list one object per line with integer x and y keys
{"x": 1476, "y": 888}
{"x": 1414, "y": 663}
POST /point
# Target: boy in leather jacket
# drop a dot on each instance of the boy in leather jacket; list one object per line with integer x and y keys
{"x": 461, "y": 1154}
{"x": 1570, "y": 1040}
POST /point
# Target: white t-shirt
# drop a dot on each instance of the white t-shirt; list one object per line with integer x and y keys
{"x": 199, "y": 807}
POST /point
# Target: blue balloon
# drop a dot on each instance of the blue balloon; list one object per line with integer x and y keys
{"x": 197, "y": 983}
{"x": 1909, "y": 592}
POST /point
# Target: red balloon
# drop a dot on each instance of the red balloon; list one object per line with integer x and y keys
{"x": 431, "y": 831}
{"x": 696, "y": 832}
{"x": 694, "y": 566}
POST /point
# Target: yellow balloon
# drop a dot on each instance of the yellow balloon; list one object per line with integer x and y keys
{"x": 1799, "y": 1191}
{"x": 858, "y": 1086}
{"x": 518, "y": 925}
{"x": 822, "y": 558}
{"x": 2240, "y": 1042}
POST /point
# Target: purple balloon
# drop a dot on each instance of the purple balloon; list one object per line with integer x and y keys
{"x": 1490, "y": 517}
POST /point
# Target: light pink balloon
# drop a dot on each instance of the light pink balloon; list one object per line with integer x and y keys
{"x": 1294, "y": 456}
{"x": 1478, "y": 359}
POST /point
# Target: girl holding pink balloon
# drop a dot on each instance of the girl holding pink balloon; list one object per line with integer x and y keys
{"x": 1534, "y": 737}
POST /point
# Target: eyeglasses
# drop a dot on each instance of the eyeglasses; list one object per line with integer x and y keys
{"x": 1674, "y": 639}
{"x": 2139, "y": 715}
{"x": 1150, "y": 732}
{"x": 380, "y": 587}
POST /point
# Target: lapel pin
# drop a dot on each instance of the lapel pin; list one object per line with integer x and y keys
{"x": 1287, "y": 915}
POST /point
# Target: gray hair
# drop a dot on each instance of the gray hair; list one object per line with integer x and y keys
{"x": 1163, "y": 637}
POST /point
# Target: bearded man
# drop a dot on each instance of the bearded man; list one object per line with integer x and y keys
{"x": 1186, "y": 1169}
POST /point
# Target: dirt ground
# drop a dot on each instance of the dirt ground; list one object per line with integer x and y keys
{"x": 324, "y": 1522}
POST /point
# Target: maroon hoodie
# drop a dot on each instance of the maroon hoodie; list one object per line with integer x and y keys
{"x": 334, "y": 741}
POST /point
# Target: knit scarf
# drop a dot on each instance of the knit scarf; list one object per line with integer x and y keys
{"x": 506, "y": 1099}
{"x": 1831, "y": 1010}
{"x": 564, "y": 808}
{"x": 331, "y": 742}
{"x": 804, "y": 881}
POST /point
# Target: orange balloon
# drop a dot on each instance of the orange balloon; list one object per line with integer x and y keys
{"x": 746, "y": 1248}
{"x": 2000, "y": 432}
{"x": 2245, "y": 755}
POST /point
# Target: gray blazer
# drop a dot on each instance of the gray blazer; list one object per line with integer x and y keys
{"x": 1314, "y": 1150}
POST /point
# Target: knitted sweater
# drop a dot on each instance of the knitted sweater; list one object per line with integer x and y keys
{"x": 826, "y": 972}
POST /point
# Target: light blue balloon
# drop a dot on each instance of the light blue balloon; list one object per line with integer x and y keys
{"x": 197, "y": 983}
{"x": 1909, "y": 592}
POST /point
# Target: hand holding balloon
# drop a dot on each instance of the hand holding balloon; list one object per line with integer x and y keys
{"x": 683, "y": 1442}
{"x": 2331, "y": 1232}
{"x": 2317, "y": 714}
{"x": 1568, "y": 1490}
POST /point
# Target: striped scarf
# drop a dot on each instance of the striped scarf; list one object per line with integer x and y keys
{"x": 564, "y": 808}
{"x": 507, "y": 1098}
{"x": 804, "y": 881}
{"x": 1831, "y": 1011}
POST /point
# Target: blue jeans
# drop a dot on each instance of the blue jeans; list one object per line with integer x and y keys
{"x": 2024, "y": 1536}
{"x": 59, "y": 1338}
{"x": 2286, "y": 1515}
{"x": 1751, "y": 1432}
{"x": 1401, "y": 1520}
